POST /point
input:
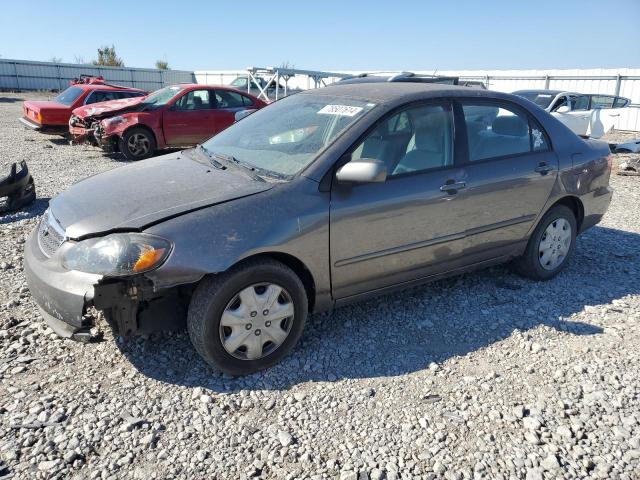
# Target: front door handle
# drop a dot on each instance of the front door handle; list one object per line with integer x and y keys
{"x": 452, "y": 187}
{"x": 543, "y": 168}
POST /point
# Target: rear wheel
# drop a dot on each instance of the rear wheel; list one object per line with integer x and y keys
{"x": 248, "y": 318}
{"x": 550, "y": 246}
{"x": 137, "y": 144}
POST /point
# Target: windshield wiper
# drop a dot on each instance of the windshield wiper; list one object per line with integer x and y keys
{"x": 262, "y": 172}
{"x": 250, "y": 169}
{"x": 207, "y": 153}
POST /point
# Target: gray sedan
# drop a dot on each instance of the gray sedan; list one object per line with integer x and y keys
{"x": 320, "y": 199}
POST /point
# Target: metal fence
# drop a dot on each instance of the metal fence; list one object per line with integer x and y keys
{"x": 30, "y": 75}
{"x": 620, "y": 81}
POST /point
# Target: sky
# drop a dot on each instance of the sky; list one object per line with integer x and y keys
{"x": 330, "y": 35}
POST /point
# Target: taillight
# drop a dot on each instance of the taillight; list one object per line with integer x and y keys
{"x": 39, "y": 117}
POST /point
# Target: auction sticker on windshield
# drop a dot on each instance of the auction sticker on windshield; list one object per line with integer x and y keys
{"x": 344, "y": 110}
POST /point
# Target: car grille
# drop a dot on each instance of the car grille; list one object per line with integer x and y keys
{"x": 75, "y": 121}
{"x": 50, "y": 234}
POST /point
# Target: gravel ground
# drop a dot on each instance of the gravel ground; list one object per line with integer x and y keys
{"x": 481, "y": 376}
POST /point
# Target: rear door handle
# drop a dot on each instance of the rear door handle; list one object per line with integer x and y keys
{"x": 452, "y": 187}
{"x": 543, "y": 168}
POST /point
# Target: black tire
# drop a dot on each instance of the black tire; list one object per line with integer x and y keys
{"x": 144, "y": 144}
{"x": 214, "y": 293}
{"x": 529, "y": 265}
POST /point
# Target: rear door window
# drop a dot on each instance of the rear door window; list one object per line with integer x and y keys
{"x": 511, "y": 132}
{"x": 228, "y": 99}
{"x": 101, "y": 96}
{"x": 601, "y": 101}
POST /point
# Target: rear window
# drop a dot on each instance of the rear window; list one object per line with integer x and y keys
{"x": 620, "y": 102}
{"x": 69, "y": 96}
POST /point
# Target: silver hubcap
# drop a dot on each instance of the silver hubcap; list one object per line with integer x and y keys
{"x": 555, "y": 244}
{"x": 138, "y": 144}
{"x": 256, "y": 321}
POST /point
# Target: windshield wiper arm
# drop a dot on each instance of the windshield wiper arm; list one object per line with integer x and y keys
{"x": 208, "y": 154}
{"x": 260, "y": 171}
{"x": 247, "y": 167}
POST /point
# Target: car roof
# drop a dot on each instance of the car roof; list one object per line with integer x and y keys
{"x": 192, "y": 86}
{"x": 106, "y": 86}
{"x": 542, "y": 90}
{"x": 397, "y": 92}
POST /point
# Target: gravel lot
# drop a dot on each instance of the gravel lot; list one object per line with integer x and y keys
{"x": 482, "y": 376}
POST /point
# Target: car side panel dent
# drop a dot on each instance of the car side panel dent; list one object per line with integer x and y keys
{"x": 148, "y": 120}
{"x": 583, "y": 180}
{"x": 207, "y": 243}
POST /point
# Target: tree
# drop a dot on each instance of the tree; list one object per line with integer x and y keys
{"x": 162, "y": 65}
{"x": 55, "y": 60}
{"x": 107, "y": 56}
{"x": 79, "y": 59}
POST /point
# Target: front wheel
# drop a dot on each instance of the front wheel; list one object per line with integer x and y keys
{"x": 137, "y": 144}
{"x": 551, "y": 245}
{"x": 249, "y": 318}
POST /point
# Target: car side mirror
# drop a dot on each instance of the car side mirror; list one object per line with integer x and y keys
{"x": 365, "y": 170}
{"x": 563, "y": 109}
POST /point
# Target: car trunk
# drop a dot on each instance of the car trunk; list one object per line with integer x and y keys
{"x": 46, "y": 112}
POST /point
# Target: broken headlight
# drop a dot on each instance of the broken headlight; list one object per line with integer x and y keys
{"x": 117, "y": 254}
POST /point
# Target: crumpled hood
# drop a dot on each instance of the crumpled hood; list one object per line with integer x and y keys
{"x": 105, "y": 109}
{"x": 146, "y": 192}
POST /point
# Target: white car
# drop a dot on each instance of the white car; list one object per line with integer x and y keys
{"x": 588, "y": 115}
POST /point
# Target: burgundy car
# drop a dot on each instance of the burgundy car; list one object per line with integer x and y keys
{"x": 52, "y": 116}
{"x": 177, "y": 116}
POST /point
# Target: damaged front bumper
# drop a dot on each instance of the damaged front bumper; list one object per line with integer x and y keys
{"x": 130, "y": 305}
{"x": 17, "y": 189}
{"x": 91, "y": 131}
{"x": 62, "y": 295}
{"x": 81, "y": 131}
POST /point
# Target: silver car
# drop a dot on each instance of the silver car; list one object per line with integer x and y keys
{"x": 320, "y": 199}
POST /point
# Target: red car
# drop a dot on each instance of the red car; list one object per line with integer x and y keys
{"x": 53, "y": 116}
{"x": 177, "y": 116}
